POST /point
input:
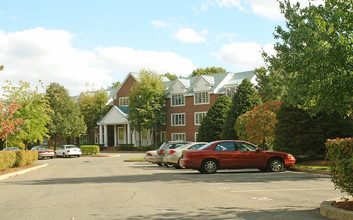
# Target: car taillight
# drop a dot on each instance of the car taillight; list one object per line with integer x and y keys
{"x": 149, "y": 154}
{"x": 79, "y": 150}
{"x": 160, "y": 152}
{"x": 42, "y": 152}
{"x": 171, "y": 152}
{"x": 68, "y": 151}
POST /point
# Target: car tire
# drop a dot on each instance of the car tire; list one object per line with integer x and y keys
{"x": 263, "y": 169}
{"x": 177, "y": 166}
{"x": 209, "y": 166}
{"x": 78, "y": 155}
{"x": 276, "y": 165}
{"x": 64, "y": 156}
{"x": 160, "y": 164}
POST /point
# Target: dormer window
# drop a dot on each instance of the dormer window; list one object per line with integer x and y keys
{"x": 201, "y": 98}
{"x": 178, "y": 100}
{"x": 124, "y": 101}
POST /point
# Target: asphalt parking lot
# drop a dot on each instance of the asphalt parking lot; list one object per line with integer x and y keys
{"x": 109, "y": 188}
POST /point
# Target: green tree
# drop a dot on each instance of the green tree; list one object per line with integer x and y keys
{"x": 93, "y": 106}
{"x": 268, "y": 86}
{"x": 245, "y": 98}
{"x": 170, "y": 76}
{"x": 299, "y": 133}
{"x": 66, "y": 118}
{"x": 314, "y": 56}
{"x": 207, "y": 71}
{"x": 146, "y": 102}
{"x": 1, "y": 67}
{"x": 34, "y": 111}
{"x": 211, "y": 125}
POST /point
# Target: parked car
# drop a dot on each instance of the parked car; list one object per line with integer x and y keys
{"x": 11, "y": 148}
{"x": 167, "y": 145}
{"x": 234, "y": 155}
{"x": 68, "y": 151}
{"x": 151, "y": 156}
{"x": 172, "y": 156}
{"x": 44, "y": 152}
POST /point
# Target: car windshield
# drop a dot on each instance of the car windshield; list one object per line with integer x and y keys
{"x": 41, "y": 148}
{"x": 71, "y": 146}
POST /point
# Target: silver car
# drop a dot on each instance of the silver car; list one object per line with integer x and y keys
{"x": 68, "y": 151}
{"x": 151, "y": 156}
{"x": 172, "y": 156}
{"x": 44, "y": 152}
{"x": 164, "y": 147}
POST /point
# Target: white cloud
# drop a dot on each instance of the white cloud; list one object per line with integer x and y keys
{"x": 49, "y": 56}
{"x": 160, "y": 24}
{"x": 188, "y": 35}
{"x": 129, "y": 60}
{"x": 244, "y": 55}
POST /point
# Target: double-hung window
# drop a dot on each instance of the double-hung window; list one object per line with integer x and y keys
{"x": 201, "y": 98}
{"x": 178, "y": 137}
{"x": 124, "y": 101}
{"x": 198, "y": 117}
{"x": 178, "y": 100}
{"x": 178, "y": 119}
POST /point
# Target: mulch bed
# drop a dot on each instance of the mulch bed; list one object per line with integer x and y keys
{"x": 344, "y": 205}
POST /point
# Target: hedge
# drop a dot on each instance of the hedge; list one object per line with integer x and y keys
{"x": 340, "y": 154}
{"x": 131, "y": 147}
{"x": 19, "y": 158}
{"x": 90, "y": 149}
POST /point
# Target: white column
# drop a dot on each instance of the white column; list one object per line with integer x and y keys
{"x": 100, "y": 134}
{"x": 134, "y": 137}
{"x": 128, "y": 134}
{"x": 115, "y": 137}
{"x": 105, "y": 136}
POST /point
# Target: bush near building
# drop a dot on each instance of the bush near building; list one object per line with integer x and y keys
{"x": 340, "y": 154}
{"x": 90, "y": 149}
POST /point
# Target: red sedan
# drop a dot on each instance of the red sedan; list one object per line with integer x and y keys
{"x": 234, "y": 155}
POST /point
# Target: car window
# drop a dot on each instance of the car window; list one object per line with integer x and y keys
{"x": 41, "y": 148}
{"x": 196, "y": 146}
{"x": 206, "y": 146}
{"x": 225, "y": 146}
{"x": 246, "y": 147}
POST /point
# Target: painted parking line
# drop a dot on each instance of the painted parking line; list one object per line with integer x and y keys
{"x": 279, "y": 190}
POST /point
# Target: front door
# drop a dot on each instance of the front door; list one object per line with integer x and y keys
{"x": 121, "y": 135}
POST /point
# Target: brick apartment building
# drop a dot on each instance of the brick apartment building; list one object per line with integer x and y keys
{"x": 188, "y": 100}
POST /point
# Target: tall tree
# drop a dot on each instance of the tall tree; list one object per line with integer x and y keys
{"x": 146, "y": 102}
{"x": 314, "y": 56}
{"x": 93, "y": 106}
{"x": 268, "y": 86}
{"x": 170, "y": 76}
{"x": 211, "y": 124}
{"x": 66, "y": 118}
{"x": 34, "y": 111}
{"x": 245, "y": 98}
{"x": 207, "y": 71}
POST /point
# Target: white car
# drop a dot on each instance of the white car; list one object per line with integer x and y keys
{"x": 172, "y": 156}
{"x": 151, "y": 156}
{"x": 68, "y": 151}
{"x": 44, "y": 152}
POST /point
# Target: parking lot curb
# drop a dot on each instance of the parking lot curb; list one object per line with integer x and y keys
{"x": 5, "y": 176}
{"x": 331, "y": 212}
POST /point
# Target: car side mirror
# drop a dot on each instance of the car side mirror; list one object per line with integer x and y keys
{"x": 257, "y": 149}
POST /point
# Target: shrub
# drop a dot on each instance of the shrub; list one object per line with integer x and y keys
{"x": 147, "y": 148}
{"x": 7, "y": 159}
{"x": 128, "y": 147}
{"x": 19, "y": 158}
{"x": 340, "y": 153}
{"x": 90, "y": 149}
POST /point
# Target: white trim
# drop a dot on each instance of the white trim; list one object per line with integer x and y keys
{"x": 178, "y": 135}
{"x": 123, "y": 101}
{"x": 171, "y": 99}
{"x": 203, "y": 103}
{"x": 171, "y": 118}
{"x": 195, "y": 136}
{"x": 195, "y": 117}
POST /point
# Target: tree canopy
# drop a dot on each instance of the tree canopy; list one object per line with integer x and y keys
{"x": 34, "y": 111}
{"x": 66, "y": 118}
{"x": 314, "y": 56}
{"x": 211, "y": 125}
{"x": 268, "y": 86}
{"x": 245, "y": 98}
{"x": 146, "y": 101}
{"x": 207, "y": 71}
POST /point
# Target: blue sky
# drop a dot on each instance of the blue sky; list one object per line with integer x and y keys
{"x": 76, "y": 43}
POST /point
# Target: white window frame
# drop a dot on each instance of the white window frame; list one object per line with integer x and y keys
{"x": 196, "y": 121}
{"x": 176, "y": 116}
{"x": 124, "y": 101}
{"x": 195, "y": 136}
{"x": 175, "y": 99}
{"x": 203, "y": 99}
{"x": 176, "y": 136}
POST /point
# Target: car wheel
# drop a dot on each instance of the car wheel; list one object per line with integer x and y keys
{"x": 64, "y": 155}
{"x": 209, "y": 166}
{"x": 177, "y": 166}
{"x": 168, "y": 165}
{"x": 159, "y": 164}
{"x": 78, "y": 155}
{"x": 276, "y": 165}
{"x": 51, "y": 157}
